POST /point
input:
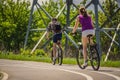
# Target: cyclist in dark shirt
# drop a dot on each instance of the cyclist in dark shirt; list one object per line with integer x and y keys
{"x": 55, "y": 27}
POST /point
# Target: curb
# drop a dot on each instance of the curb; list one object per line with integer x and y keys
{"x": 5, "y": 76}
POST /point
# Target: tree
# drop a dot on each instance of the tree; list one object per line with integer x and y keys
{"x": 13, "y": 23}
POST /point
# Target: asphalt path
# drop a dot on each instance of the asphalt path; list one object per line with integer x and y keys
{"x": 28, "y": 70}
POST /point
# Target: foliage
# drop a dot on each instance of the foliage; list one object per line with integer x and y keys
{"x": 25, "y": 52}
{"x": 40, "y": 52}
{"x": 13, "y": 23}
{"x": 83, "y": 2}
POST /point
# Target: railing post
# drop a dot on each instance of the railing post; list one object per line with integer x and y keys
{"x": 29, "y": 23}
{"x": 69, "y": 2}
{"x": 96, "y": 2}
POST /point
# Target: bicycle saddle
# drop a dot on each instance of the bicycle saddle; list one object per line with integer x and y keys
{"x": 90, "y": 35}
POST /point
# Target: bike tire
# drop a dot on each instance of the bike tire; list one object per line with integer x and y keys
{"x": 80, "y": 59}
{"x": 51, "y": 55}
{"x": 53, "y": 61}
{"x": 60, "y": 56}
{"x": 95, "y": 58}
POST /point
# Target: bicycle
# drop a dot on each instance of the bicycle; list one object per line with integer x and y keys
{"x": 93, "y": 55}
{"x": 59, "y": 55}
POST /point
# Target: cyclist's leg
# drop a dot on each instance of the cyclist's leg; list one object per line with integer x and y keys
{"x": 60, "y": 54}
{"x": 84, "y": 42}
{"x": 91, "y": 38}
{"x": 54, "y": 50}
{"x": 60, "y": 45}
{"x": 54, "y": 46}
{"x": 54, "y": 54}
{"x": 59, "y": 37}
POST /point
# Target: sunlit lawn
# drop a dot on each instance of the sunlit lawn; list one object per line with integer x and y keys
{"x": 48, "y": 60}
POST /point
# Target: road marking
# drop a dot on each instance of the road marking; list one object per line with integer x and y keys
{"x": 5, "y": 76}
{"x": 88, "y": 77}
{"x": 49, "y": 68}
{"x": 116, "y": 77}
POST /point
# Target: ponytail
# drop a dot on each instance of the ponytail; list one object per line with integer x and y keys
{"x": 83, "y": 11}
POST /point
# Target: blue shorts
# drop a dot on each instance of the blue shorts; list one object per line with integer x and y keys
{"x": 57, "y": 37}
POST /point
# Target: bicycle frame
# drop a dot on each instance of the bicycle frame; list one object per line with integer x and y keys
{"x": 92, "y": 54}
{"x": 58, "y": 55}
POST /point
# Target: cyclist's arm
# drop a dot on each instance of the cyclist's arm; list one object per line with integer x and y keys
{"x": 48, "y": 30}
{"x": 76, "y": 25}
{"x": 92, "y": 23}
{"x": 47, "y": 35}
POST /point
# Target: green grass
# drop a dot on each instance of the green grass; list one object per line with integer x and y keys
{"x": 69, "y": 61}
{"x": 48, "y": 60}
{"x": 24, "y": 57}
{"x": 110, "y": 64}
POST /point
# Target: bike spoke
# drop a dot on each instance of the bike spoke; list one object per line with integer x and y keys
{"x": 95, "y": 62}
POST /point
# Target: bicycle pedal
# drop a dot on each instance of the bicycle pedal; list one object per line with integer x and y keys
{"x": 54, "y": 61}
{"x": 85, "y": 65}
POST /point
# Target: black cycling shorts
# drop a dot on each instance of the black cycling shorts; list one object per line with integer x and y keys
{"x": 57, "y": 37}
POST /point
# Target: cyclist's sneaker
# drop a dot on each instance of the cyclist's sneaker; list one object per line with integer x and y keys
{"x": 54, "y": 61}
{"x": 85, "y": 65}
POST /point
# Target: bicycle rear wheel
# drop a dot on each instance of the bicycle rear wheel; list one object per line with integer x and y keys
{"x": 95, "y": 58}
{"x": 60, "y": 56}
{"x": 80, "y": 59}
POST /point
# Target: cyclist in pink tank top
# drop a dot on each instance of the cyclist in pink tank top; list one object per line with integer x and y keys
{"x": 87, "y": 28}
{"x": 86, "y": 22}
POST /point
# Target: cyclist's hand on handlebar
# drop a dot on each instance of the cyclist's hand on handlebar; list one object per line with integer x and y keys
{"x": 73, "y": 34}
{"x": 47, "y": 38}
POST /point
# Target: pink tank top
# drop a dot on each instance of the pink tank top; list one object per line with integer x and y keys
{"x": 86, "y": 22}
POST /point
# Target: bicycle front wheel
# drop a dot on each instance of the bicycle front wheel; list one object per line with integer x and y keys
{"x": 51, "y": 55}
{"x": 80, "y": 59}
{"x": 95, "y": 58}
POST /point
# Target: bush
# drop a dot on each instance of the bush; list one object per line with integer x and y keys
{"x": 39, "y": 52}
{"x": 25, "y": 52}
